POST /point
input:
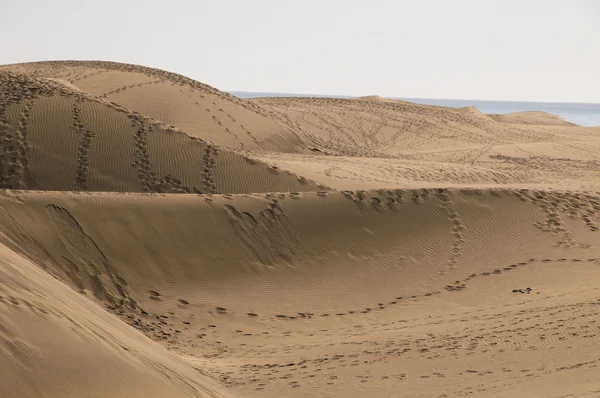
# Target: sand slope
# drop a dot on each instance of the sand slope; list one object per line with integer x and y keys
{"x": 534, "y": 117}
{"x": 199, "y": 109}
{"x": 353, "y": 248}
{"x": 57, "y": 138}
{"x": 394, "y": 143}
{"x": 53, "y": 343}
{"x": 313, "y": 294}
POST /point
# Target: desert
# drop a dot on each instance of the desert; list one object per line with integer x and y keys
{"x": 162, "y": 238}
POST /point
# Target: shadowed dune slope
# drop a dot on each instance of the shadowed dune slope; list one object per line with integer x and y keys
{"x": 53, "y": 343}
{"x": 180, "y": 102}
{"x": 57, "y": 138}
{"x": 355, "y": 285}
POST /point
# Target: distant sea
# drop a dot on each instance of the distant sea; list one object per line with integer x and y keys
{"x": 578, "y": 113}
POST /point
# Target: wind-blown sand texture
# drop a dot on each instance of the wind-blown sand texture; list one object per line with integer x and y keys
{"x": 351, "y": 248}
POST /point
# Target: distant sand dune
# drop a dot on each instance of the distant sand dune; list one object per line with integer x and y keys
{"x": 377, "y": 98}
{"x": 160, "y": 238}
{"x": 364, "y": 132}
{"x": 540, "y": 118}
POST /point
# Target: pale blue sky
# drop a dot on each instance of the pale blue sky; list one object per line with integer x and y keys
{"x": 545, "y": 50}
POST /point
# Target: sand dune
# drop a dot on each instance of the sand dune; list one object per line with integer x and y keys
{"x": 357, "y": 248}
{"x": 532, "y": 118}
{"x": 391, "y": 144}
{"x": 377, "y": 98}
{"x": 55, "y": 343}
{"x": 198, "y": 109}
{"x": 284, "y": 310}
{"x": 57, "y": 138}
{"x": 398, "y": 129}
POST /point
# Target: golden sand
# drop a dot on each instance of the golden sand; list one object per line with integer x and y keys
{"x": 160, "y": 238}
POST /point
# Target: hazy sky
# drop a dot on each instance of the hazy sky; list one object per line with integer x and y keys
{"x": 476, "y": 49}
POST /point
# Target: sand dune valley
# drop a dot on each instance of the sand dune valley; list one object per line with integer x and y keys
{"x": 161, "y": 238}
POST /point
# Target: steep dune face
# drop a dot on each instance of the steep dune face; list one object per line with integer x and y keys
{"x": 196, "y": 108}
{"x": 57, "y": 138}
{"x": 394, "y": 269}
{"x": 53, "y": 343}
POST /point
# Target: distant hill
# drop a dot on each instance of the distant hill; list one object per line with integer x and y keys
{"x": 532, "y": 117}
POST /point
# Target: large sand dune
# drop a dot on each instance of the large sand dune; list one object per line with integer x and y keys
{"x": 58, "y": 138}
{"x": 410, "y": 267}
{"x": 199, "y": 109}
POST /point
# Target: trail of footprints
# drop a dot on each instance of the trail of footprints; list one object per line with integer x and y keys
{"x": 468, "y": 341}
{"x": 81, "y": 67}
{"x": 370, "y": 122}
{"x": 577, "y": 323}
{"x": 13, "y": 153}
{"x": 457, "y": 228}
{"x": 81, "y": 76}
{"x": 142, "y": 157}
{"x": 575, "y": 205}
{"x": 208, "y": 164}
{"x": 531, "y": 326}
{"x": 86, "y": 137}
{"x": 14, "y": 164}
{"x": 131, "y": 86}
{"x": 218, "y": 121}
{"x": 157, "y": 326}
{"x": 146, "y": 174}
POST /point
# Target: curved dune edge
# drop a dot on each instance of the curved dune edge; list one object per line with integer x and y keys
{"x": 407, "y": 263}
{"x": 380, "y": 128}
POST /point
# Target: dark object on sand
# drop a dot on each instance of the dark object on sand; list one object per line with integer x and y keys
{"x": 526, "y": 290}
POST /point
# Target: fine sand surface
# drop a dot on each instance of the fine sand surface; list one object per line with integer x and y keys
{"x": 328, "y": 248}
{"x": 532, "y": 118}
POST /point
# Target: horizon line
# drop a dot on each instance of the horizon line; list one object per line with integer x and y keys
{"x": 341, "y": 96}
